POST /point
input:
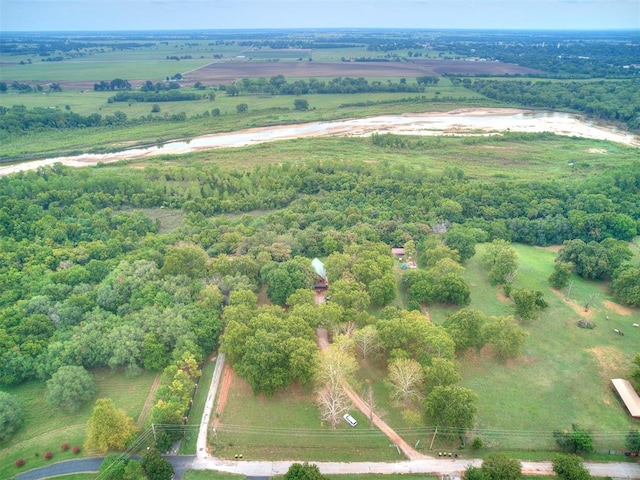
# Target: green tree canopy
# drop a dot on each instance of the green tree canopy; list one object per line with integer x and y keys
{"x": 156, "y": 467}
{"x": 505, "y": 336}
{"x": 453, "y": 408}
{"x": 570, "y": 467}
{"x": 70, "y": 387}
{"x": 497, "y": 466}
{"x": 10, "y": 416}
{"x": 501, "y": 260}
{"x": 303, "y": 471}
{"x": 109, "y": 427}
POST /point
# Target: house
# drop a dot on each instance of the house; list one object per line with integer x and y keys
{"x": 321, "y": 275}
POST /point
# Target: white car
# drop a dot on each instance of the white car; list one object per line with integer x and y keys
{"x": 350, "y": 420}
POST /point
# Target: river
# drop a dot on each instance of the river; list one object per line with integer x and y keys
{"x": 468, "y": 121}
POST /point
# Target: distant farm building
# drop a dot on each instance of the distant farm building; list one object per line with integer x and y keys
{"x": 628, "y": 395}
{"x": 321, "y": 275}
{"x": 399, "y": 253}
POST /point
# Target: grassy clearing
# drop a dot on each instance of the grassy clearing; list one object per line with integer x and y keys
{"x": 563, "y": 375}
{"x": 518, "y": 158}
{"x": 46, "y": 429}
{"x": 287, "y": 426}
{"x": 188, "y": 445}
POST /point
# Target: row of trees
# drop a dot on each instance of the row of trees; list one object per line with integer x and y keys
{"x": 279, "y": 85}
{"x": 609, "y": 100}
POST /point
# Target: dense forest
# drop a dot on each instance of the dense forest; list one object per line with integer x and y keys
{"x": 88, "y": 279}
{"x": 608, "y": 100}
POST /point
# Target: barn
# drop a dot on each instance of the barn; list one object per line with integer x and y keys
{"x": 628, "y": 395}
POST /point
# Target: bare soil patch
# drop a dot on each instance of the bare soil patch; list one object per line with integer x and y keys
{"x": 596, "y": 150}
{"x": 231, "y": 71}
{"x": 616, "y": 307}
{"x": 223, "y": 395}
{"x": 609, "y": 361}
{"x": 502, "y": 298}
{"x": 576, "y": 307}
{"x": 148, "y": 403}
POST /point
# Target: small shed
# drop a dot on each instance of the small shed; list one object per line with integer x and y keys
{"x": 397, "y": 251}
{"x": 321, "y": 279}
{"x": 628, "y": 395}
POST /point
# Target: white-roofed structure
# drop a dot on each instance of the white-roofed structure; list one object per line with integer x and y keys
{"x": 628, "y": 395}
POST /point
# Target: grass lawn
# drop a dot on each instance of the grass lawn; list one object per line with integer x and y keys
{"x": 287, "y": 426}
{"x": 46, "y": 429}
{"x": 188, "y": 445}
{"x": 563, "y": 375}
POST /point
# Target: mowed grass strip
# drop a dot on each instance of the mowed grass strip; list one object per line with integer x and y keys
{"x": 188, "y": 444}
{"x": 287, "y": 426}
{"x": 46, "y": 428}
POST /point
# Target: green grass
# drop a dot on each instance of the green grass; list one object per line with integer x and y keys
{"x": 287, "y": 426}
{"x": 563, "y": 376}
{"x": 188, "y": 445}
{"x": 46, "y": 428}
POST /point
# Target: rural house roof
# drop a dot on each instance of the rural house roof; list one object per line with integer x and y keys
{"x": 628, "y": 396}
{"x": 319, "y": 268}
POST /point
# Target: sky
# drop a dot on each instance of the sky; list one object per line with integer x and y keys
{"x": 92, "y": 15}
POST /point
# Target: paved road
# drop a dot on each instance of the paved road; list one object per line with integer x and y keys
{"x": 82, "y": 465}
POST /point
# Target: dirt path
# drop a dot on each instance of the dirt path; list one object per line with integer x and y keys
{"x": 408, "y": 450}
{"x": 223, "y": 394}
{"x": 148, "y": 403}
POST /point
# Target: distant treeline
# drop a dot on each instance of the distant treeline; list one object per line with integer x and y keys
{"x": 19, "y": 119}
{"x": 166, "y": 96}
{"x": 279, "y": 85}
{"x": 610, "y": 100}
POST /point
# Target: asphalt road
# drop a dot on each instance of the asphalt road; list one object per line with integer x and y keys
{"x": 82, "y": 465}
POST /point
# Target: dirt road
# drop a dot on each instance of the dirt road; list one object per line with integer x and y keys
{"x": 407, "y": 450}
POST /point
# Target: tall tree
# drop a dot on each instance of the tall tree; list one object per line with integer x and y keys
{"x": 452, "y": 408}
{"x": 505, "y": 336}
{"x": 336, "y": 369}
{"x": 70, "y": 387}
{"x": 501, "y": 260}
{"x": 109, "y": 427}
{"x": 303, "y": 471}
{"x": 10, "y": 416}
{"x": 156, "y": 467}
{"x": 406, "y": 379}
{"x": 570, "y": 467}
{"x": 497, "y": 466}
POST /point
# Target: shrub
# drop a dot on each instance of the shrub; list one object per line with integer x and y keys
{"x": 20, "y": 462}
{"x": 476, "y": 444}
{"x": 48, "y": 455}
{"x": 64, "y": 447}
{"x": 75, "y": 449}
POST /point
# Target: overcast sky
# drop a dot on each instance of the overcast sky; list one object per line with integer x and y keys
{"x": 47, "y": 15}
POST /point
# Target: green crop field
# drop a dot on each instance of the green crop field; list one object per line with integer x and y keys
{"x": 46, "y": 429}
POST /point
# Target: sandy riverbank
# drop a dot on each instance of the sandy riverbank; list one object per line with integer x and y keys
{"x": 467, "y": 121}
